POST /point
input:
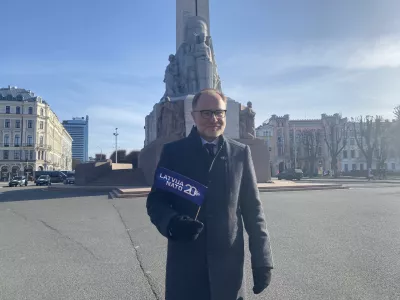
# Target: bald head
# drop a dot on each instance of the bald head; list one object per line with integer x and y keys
{"x": 208, "y": 112}
{"x": 210, "y": 93}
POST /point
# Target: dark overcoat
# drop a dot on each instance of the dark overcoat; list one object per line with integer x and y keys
{"x": 211, "y": 267}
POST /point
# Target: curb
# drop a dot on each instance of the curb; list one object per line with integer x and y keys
{"x": 116, "y": 194}
{"x": 350, "y": 181}
{"x": 86, "y": 188}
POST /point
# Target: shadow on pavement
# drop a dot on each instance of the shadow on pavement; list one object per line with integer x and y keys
{"x": 45, "y": 194}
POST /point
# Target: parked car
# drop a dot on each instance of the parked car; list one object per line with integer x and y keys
{"x": 69, "y": 180}
{"x": 18, "y": 181}
{"x": 291, "y": 174}
{"x": 55, "y": 176}
{"x": 43, "y": 180}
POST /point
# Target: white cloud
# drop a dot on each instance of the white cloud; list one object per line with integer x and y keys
{"x": 350, "y": 54}
{"x": 352, "y": 77}
{"x": 382, "y": 53}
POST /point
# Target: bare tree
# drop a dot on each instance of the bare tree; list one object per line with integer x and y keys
{"x": 100, "y": 157}
{"x": 382, "y": 151}
{"x": 312, "y": 141}
{"x": 335, "y": 136}
{"x": 396, "y": 112}
{"x": 121, "y": 156}
{"x": 369, "y": 133}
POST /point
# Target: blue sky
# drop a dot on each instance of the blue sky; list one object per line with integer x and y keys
{"x": 107, "y": 58}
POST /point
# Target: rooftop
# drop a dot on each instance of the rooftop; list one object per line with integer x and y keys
{"x": 13, "y": 93}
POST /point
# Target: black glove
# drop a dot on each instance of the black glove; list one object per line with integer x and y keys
{"x": 261, "y": 278}
{"x": 184, "y": 228}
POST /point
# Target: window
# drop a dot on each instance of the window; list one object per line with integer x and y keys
{"x": 31, "y": 154}
{"x": 393, "y": 166}
{"x": 7, "y": 109}
{"x": 18, "y": 110}
{"x": 29, "y": 123}
{"x": 41, "y": 125}
{"x": 29, "y": 140}
{"x": 5, "y": 154}
{"x": 30, "y": 110}
{"x": 17, "y": 141}
{"x": 6, "y": 140}
{"x": 346, "y": 167}
{"x": 41, "y": 112}
{"x": 7, "y": 123}
{"x": 41, "y": 141}
{"x": 345, "y": 154}
{"x": 26, "y": 154}
{"x": 352, "y": 142}
{"x": 16, "y": 154}
{"x": 353, "y": 153}
{"x": 362, "y": 167}
{"x": 319, "y": 151}
{"x": 17, "y": 123}
{"x": 354, "y": 167}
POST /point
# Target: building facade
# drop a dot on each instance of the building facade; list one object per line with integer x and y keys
{"x": 309, "y": 144}
{"x": 78, "y": 128}
{"x": 353, "y": 159}
{"x": 31, "y": 135}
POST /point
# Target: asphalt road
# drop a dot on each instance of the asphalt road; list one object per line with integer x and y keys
{"x": 339, "y": 244}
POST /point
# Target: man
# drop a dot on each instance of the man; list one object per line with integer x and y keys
{"x": 206, "y": 254}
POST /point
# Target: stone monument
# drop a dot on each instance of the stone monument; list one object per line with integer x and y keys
{"x": 247, "y": 122}
{"x": 191, "y": 69}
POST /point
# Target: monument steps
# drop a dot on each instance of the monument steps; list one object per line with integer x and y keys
{"x": 124, "y": 177}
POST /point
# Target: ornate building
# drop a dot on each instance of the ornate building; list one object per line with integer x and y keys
{"x": 31, "y": 136}
{"x": 296, "y": 143}
{"x": 318, "y": 145}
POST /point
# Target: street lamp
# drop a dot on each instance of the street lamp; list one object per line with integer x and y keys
{"x": 116, "y": 144}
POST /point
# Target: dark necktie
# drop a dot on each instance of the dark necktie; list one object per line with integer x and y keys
{"x": 210, "y": 149}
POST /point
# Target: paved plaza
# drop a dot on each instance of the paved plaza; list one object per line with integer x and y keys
{"x": 75, "y": 244}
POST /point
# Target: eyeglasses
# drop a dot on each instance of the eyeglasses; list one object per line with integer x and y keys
{"x": 208, "y": 114}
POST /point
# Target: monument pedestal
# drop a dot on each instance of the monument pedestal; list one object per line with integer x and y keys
{"x": 260, "y": 154}
{"x": 150, "y": 155}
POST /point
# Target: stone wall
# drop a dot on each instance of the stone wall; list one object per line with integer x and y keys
{"x": 151, "y": 126}
{"x": 88, "y": 172}
{"x": 260, "y": 154}
{"x": 149, "y": 157}
{"x": 232, "y": 119}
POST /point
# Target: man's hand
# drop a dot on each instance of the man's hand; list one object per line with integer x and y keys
{"x": 184, "y": 228}
{"x": 261, "y": 278}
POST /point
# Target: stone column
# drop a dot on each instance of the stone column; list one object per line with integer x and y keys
{"x": 186, "y": 9}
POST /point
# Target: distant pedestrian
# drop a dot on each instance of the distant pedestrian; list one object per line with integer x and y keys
{"x": 370, "y": 174}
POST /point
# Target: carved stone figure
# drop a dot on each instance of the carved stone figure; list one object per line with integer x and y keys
{"x": 170, "y": 119}
{"x": 247, "y": 122}
{"x": 193, "y": 68}
{"x": 171, "y": 77}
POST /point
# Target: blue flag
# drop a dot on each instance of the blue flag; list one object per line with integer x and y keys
{"x": 180, "y": 185}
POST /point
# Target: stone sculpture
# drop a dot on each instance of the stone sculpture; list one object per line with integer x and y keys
{"x": 247, "y": 122}
{"x": 170, "y": 119}
{"x": 171, "y": 76}
{"x": 193, "y": 68}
